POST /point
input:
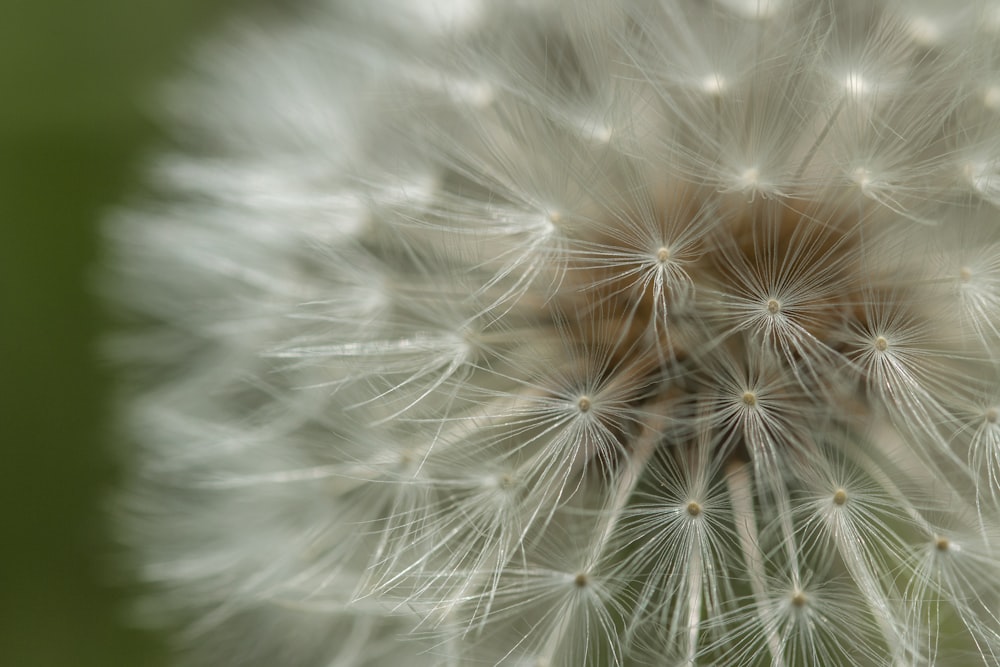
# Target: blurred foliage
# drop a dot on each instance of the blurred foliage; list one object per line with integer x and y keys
{"x": 73, "y": 78}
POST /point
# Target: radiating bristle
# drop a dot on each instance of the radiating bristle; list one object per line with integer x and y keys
{"x": 573, "y": 333}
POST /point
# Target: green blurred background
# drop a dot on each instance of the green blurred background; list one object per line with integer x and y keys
{"x": 73, "y": 76}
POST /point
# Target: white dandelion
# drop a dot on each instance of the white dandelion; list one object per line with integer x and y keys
{"x": 571, "y": 333}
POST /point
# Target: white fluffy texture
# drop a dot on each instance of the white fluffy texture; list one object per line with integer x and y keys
{"x": 573, "y": 333}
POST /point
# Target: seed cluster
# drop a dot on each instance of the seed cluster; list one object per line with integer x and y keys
{"x": 573, "y": 333}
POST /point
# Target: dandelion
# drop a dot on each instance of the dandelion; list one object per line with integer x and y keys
{"x": 571, "y": 333}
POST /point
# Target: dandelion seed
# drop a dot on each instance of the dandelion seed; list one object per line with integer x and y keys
{"x": 856, "y": 84}
{"x": 713, "y": 84}
{"x": 991, "y": 98}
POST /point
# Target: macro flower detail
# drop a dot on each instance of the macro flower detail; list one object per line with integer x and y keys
{"x": 571, "y": 333}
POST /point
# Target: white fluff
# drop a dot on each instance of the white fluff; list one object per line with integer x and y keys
{"x": 572, "y": 333}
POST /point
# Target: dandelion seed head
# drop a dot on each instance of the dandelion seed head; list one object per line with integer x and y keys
{"x": 556, "y": 333}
